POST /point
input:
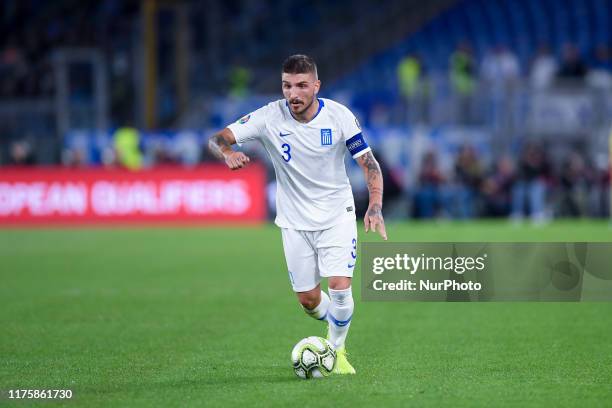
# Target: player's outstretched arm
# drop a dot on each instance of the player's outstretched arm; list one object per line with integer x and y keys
{"x": 220, "y": 144}
{"x": 373, "y": 219}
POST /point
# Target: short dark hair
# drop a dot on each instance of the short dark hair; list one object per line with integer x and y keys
{"x": 300, "y": 64}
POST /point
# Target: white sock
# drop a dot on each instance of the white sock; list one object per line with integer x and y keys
{"x": 340, "y": 314}
{"x": 319, "y": 312}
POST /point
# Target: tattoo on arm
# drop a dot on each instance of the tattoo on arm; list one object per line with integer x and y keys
{"x": 374, "y": 210}
{"x": 373, "y": 176}
{"x": 217, "y": 145}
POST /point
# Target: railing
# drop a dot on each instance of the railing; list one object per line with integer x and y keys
{"x": 32, "y": 122}
{"x": 571, "y": 115}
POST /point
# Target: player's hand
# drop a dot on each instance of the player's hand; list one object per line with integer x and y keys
{"x": 236, "y": 160}
{"x": 374, "y": 221}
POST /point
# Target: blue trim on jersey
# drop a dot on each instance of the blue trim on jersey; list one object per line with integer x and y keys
{"x": 340, "y": 323}
{"x": 356, "y": 144}
{"x": 321, "y": 105}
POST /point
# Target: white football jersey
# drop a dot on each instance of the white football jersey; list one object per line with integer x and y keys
{"x": 313, "y": 190}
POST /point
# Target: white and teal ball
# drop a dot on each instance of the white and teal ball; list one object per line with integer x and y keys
{"x": 313, "y": 357}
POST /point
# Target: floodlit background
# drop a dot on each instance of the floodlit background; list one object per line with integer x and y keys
{"x": 491, "y": 121}
{"x": 475, "y": 108}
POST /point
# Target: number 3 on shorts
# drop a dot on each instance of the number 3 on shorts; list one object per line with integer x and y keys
{"x": 286, "y": 151}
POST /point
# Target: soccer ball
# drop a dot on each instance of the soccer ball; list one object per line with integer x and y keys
{"x": 313, "y": 357}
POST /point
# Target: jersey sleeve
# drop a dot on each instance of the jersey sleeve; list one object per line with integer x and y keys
{"x": 351, "y": 132}
{"x": 250, "y": 127}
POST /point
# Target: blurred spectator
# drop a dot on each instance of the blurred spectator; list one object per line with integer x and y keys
{"x": 497, "y": 189}
{"x": 543, "y": 69}
{"x": 574, "y": 187}
{"x": 600, "y": 76}
{"x": 467, "y": 178}
{"x": 240, "y": 79}
{"x": 127, "y": 147}
{"x": 21, "y": 154}
{"x": 427, "y": 197}
{"x": 74, "y": 158}
{"x": 462, "y": 76}
{"x": 187, "y": 148}
{"x": 529, "y": 191}
{"x": 500, "y": 67}
{"x": 603, "y": 182}
{"x": 500, "y": 73}
{"x": 603, "y": 58}
{"x": 409, "y": 76}
{"x": 462, "y": 70}
{"x": 162, "y": 156}
{"x": 572, "y": 64}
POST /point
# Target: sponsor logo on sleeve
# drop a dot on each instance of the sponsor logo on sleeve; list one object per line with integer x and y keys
{"x": 244, "y": 119}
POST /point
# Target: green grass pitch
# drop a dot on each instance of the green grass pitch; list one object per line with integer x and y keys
{"x": 205, "y": 317}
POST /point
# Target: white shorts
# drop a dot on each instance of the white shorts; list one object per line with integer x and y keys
{"x": 311, "y": 255}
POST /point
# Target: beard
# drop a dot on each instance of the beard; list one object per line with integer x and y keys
{"x": 303, "y": 107}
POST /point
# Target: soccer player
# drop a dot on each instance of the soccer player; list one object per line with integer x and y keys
{"x": 307, "y": 138}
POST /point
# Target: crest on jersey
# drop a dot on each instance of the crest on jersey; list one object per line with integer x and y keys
{"x": 244, "y": 119}
{"x": 326, "y": 137}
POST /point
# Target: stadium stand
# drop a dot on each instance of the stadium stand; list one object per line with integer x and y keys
{"x": 427, "y": 80}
